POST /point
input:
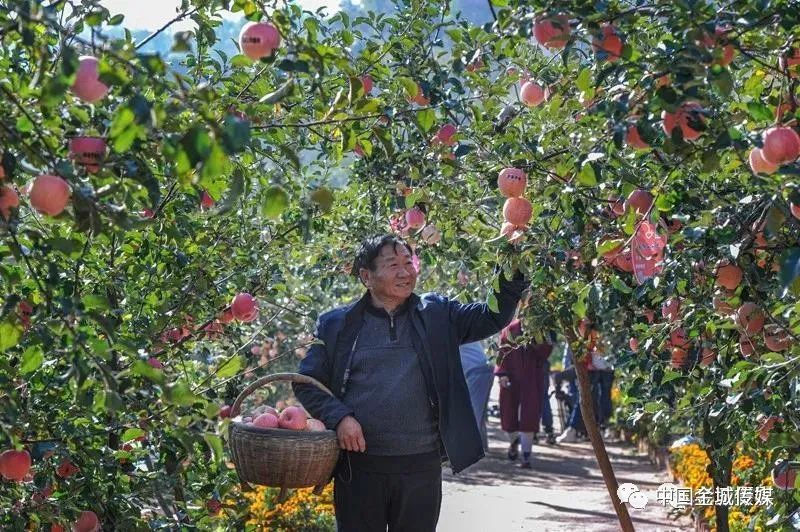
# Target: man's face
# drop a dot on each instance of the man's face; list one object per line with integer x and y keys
{"x": 394, "y": 276}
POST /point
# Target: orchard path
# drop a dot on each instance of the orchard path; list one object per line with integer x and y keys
{"x": 563, "y": 492}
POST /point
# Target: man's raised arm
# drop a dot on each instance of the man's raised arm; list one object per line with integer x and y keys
{"x": 476, "y": 321}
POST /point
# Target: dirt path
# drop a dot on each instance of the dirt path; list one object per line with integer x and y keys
{"x": 563, "y": 491}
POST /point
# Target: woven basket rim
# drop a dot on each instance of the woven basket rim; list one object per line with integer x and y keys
{"x": 275, "y": 431}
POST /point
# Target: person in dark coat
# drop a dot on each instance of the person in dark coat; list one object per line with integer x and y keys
{"x": 400, "y": 403}
{"x": 521, "y": 371}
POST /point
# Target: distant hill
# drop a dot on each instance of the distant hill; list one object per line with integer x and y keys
{"x": 475, "y": 11}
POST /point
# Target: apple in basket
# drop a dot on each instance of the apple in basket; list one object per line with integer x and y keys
{"x": 315, "y": 425}
{"x": 266, "y": 421}
{"x": 293, "y": 418}
{"x": 265, "y": 409}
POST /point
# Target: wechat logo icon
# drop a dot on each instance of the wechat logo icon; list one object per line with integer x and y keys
{"x": 629, "y": 493}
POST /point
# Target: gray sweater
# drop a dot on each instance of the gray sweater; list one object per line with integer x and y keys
{"x": 387, "y": 389}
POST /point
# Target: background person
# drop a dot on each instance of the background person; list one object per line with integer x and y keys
{"x": 521, "y": 373}
{"x": 479, "y": 376}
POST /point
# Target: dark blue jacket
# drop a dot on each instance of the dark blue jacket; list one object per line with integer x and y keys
{"x": 440, "y": 325}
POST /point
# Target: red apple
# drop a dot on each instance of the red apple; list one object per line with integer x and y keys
{"x": 708, "y": 356}
{"x": 66, "y": 469}
{"x": 670, "y": 309}
{"x": 88, "y": 152}
{"x": 750, "y": 318}
{"x": 784, "y": 475}
{"x": 640, "y": 201}
{"x": 49, "y": 194}
{"x": 679, "y": 337}
{"x": 790, "y": 60}
{"x": 14, "y": 465}
{"x": 781, "y": 145}
{"x": 87, "y": 85}
{"x": 776, "y": 338}
{"x": 206, "y": 201}
{"x": 87, "y": 522}
{"x": 225, "y": 411}
{"x": 681, "y": 118}
{"x": 759, "y": 165}
{"x": 293, "y": 418}
{"x": 552, "y": 32}
{"x": 517, "y": 211}
{"x": 315, "y": 425}
{"x": 154, "y": 362}
{"x": 445, "y": 135}
{"x": 259, "y": 39}
{"x": 226, "y": 316}
{"x": 367, "y": 83}
{"x": 244, "y": 307}
{"x": 415, "y": 218}
{"x": 9, "y": 199}
{"x": 531, "y": 93}
{"x": 213, "y": 506}
{"x": 608, "y": 43}
{"x": 746, "y": 347}
{"x": 266, "y": 421}
{"x": 633, "y": 139}
{"x": 512, "y": 182}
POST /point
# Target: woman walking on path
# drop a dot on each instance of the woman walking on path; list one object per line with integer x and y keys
{"x": 521, "y": 371}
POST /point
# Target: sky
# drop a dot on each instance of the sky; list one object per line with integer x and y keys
{"x": 152, "y": 14}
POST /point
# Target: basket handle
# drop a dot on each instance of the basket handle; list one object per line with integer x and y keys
{"x": 258, "y": 383}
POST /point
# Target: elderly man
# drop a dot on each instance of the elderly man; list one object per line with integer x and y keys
{"x": 400, "y": 404}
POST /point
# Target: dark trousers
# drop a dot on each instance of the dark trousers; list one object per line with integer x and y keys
{"x": 366, "y": 500}
{"x": 547, "y": 411}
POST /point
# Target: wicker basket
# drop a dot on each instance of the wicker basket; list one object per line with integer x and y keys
{"x": 278, "y": 457}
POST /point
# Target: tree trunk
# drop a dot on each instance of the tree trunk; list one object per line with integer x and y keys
{"x": 587, "y": 411}
{"x": 722, "y": 479}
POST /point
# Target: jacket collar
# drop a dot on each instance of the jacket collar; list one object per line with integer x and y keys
{"x": 358, "y": 307}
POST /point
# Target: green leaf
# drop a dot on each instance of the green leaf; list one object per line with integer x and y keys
{"x": 230, "y": 367}
{"x": 143, "y": 369}
{"x": 10, "y": 333}
{"x": 409, "y": 86}
{"x": 426, "y": 118}
{"x": 123, "y": 129}
{"x": 132, "y": 434}
{"x": 671, "y": 375}
{"x": 276, "y": 200}
{"x": 759, "y": 111}
{"x": 32, "y": 360}
{"x": 587, "y": 176}
{"x": 23, "y": 124}
{"x": 584, "y": 80}
{"x": 235, "y": 190}
{"x": 620, "y": 285}
{"x": 278, "y": 94}
{"x": 235, "y": 134}
{"x": 492, "y": 302}
{"x": 215, "y": 444}
{"x": 579, "y": 307}
{"x": 180, "y": 394}
{"x": 653, "y": 407}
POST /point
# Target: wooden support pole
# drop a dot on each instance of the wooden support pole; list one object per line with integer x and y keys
{"x": 587, "y": 411}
